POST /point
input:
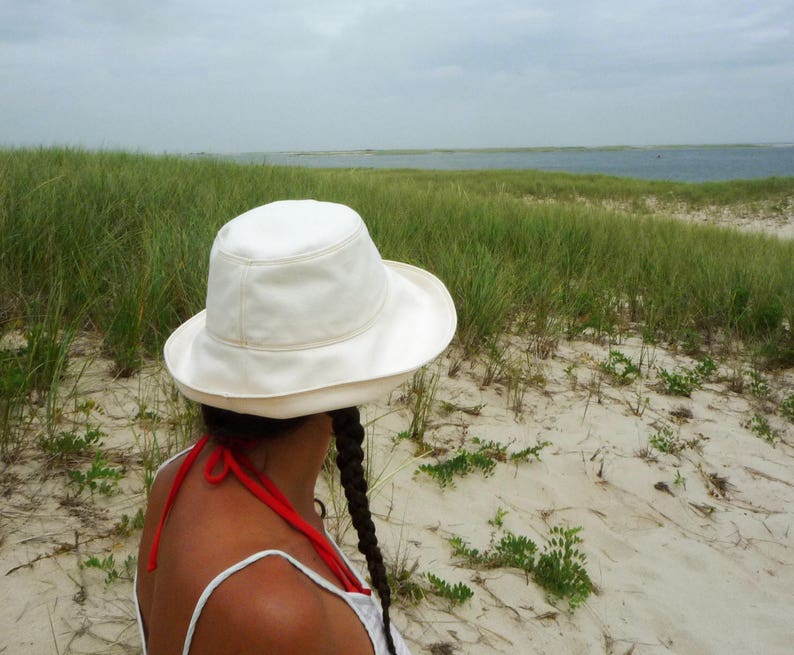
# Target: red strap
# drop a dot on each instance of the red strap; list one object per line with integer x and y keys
{"x": 271, "y": 496}
{"x": 180, "y": 476}
{"x": 267, "y": 492}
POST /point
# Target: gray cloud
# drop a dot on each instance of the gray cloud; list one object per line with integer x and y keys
{"x": 180, "y": 75}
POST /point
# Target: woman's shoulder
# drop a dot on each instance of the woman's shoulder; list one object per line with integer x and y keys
{"x": 268, "y": 606}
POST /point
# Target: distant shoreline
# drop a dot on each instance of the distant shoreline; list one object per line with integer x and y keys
{"x": 454, "y": 151}
{"x": 684, "y": 163}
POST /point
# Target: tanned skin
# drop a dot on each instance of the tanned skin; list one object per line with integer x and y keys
{"x": 268, "y": 607}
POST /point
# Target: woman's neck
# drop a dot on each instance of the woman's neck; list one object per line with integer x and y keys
{"x": 293, "y": 462}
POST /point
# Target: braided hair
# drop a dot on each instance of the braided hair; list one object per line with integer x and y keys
{"x": 229, "y": 427}
{"x": 349, "y": 435}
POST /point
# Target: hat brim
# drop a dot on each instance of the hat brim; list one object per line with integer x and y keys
{"x": 414, "y": 326}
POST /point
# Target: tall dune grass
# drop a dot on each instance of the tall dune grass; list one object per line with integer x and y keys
{"x": 125, "y": 240}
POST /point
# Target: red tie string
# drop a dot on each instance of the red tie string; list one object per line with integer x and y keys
{"x": 268, "y": 493}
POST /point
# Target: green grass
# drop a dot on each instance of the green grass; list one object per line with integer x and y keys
{"x": 119, "y": 242}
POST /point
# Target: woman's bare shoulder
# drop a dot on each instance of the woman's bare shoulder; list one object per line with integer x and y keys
{"x": 268, "y": 607}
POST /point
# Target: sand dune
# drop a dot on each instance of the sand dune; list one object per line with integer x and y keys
{"x": 689, "y": 552}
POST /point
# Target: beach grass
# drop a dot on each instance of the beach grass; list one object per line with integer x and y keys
{"x": 119, "y": 243}
{"x": 112, "y": 249}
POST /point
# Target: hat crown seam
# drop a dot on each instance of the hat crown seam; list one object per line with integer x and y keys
{"x": 292, "y": 259}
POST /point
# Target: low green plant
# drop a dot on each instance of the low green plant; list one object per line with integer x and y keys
{"x": 511, "y": 551}
{"x": 685, "y": 381}
{"x": 456, "y": 594}
{"x": 666, "y": 441}
{"x": 484, "y": 459}
{"x": 403, "y": 584}
{"x": 570, "y": 374}
{"x": 514, "y": 551}
{"x": 760, "y": 427}
{"x": 128, "y": 526}
{"x": 471, "y": 410}
{"x": 529, "y": 453}
{"x": 679, "y": 384}
{"x": 491, "y": 449}
{"x": 462, "y": 549}
{"x": 500, "y": 453}
{"x": 690, "y": 341}
{"x": 787, "y": 408}
{"x": 100, "y": 477}
{"x": 461, "y": 464}
{"x": 620, "y": 368}
{"x": 705, "y": 368}
{"x": 560, "y": 568}
{"x": 65, "y": 445}
{"x": 111, "y": 570}
{"x": 680, "y": 480}
{"x": 759, "y": 386}
{"x": 499, "y": 518}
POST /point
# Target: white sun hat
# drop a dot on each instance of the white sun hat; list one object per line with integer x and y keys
{"x": 303, "y": 316}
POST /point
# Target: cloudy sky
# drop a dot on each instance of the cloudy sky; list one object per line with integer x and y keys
{"x": 266, "y": 75}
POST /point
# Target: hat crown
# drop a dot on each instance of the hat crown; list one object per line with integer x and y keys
{"x": 293, "y": 274}
{"x": 287, "y": 229}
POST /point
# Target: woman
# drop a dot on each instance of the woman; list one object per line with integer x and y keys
{"x": 304, "y": 321}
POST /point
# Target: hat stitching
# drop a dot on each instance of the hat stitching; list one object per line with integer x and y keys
{"x": 243, "y": 343}
{"x": 294, "y": 258}
{"x": 305, "y": 390}
{"x": 243, "y": 304}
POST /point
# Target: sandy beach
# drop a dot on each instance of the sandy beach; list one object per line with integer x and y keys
{"x": 756, "y": 218}
{"x": 689, "y": 551}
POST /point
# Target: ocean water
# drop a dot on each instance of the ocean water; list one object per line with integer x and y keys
{"x": 686, "y": 164}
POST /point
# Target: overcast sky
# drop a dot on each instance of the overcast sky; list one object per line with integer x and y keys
{"x": 267, "y": 75}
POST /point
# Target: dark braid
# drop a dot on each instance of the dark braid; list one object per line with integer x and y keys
{"x": 349, "y": 436}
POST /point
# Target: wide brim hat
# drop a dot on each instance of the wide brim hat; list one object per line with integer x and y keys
{"x": 304, "y": 316}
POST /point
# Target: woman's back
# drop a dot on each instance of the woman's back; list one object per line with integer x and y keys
{"x": 270, "y": 602}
